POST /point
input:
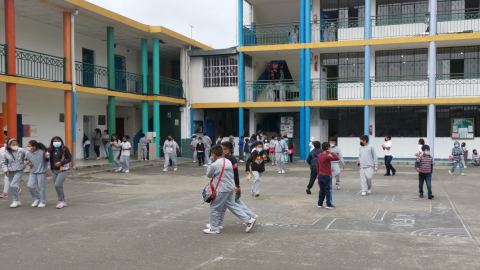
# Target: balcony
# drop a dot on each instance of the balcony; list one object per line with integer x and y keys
{"x": 168, "y": 87}
{"x": 40, "y": 66}
{"x": 337, "y": 89}
{"x": 457, "y": 85}
{"x": 458, "y": 21}
{"x": 269, "y": 91}
{"x": 271, "y": 34}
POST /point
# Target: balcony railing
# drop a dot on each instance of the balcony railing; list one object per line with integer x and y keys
{"x": 128, "y": 82}
{"x": 268, "y": 91}
{"x": 407, "y": 87}
{"x": 458, "y": 21}
{"x": 89, "y": 75}
{"x": 168, "y": 87}
{"x": 457, "y": 85}
{"x": 337, "y": 89}
{"x": 40, "y": 66}
{"x": 406, "y": 25}
{"x": 3, "y": 58}
{"x": 337, "y": 29}
{"x": 270, "y": 34}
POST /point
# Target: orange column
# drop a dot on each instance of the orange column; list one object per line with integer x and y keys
{"x": 67, "y": 48}
{"x": 12, "y": 68}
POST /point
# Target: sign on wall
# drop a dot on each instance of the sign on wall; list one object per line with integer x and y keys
{"x": 463, "y": 128}
{"x": 287, "y": 126}
{"x": 197, "y": 126}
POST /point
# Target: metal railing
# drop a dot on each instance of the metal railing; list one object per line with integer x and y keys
{"x": 31, "y": 64}
{"x": 337, "y": 89}
{"x": 337, "y": 29}
{"x": 128, "y": 82}
{"x": 399, "y": 87}
{"x": 269, "y": 34}
{"x": 458, "y": 21}
{"x": 3, "y": 58}
{"x": 270, "y": 91}
{"x": 89, "y": 75}
{"x": 168, "y": 87}
{"x": 405, "y": 25}
{"x": 457, "y": 85}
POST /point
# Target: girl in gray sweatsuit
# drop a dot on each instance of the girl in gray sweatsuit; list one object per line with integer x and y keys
{"x": 35, "y": 158}
{"x": 13, "y": 164}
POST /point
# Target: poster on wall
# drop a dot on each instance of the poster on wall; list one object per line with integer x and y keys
{"x": 287, "y": 126}
{"x": 463, "y": 128}
{"x": 197, "y": 126}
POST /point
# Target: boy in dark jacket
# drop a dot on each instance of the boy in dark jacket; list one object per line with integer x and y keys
{"x": 312, "y": 161}
{"x": 324, "y": 170}
{"x": 257, "y": 161}
{"x": 200, "y": 149}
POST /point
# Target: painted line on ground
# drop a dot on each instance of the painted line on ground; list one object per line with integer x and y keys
{"x": 375, "y": 214}
{"x": 330, "y": 223}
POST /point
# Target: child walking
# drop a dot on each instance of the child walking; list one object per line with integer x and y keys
{"x": 116, "y": 146}
{"x": 225, "y": 193}
{"x": 36, "y": 159}
{"x": 425, "y": 170}
{"x": 312, "y": 161}
{"x": 324, "y": 169}
{"x": 125, "y": 156}
{"x": 257, "y": 162}
{"x": 457, "y": 158}
{"x": 6, "y": 185}
{"x": 59, "y": 158}
{"x": 272, "y": 150}
{"x": 336, "y": 164}
{"x": 280, "y": 151}
{"x": 13, "y": 166}
{"x": 143, "y": 145}
{"x": 200, "y": 150}
{"x": 367, "y": 160}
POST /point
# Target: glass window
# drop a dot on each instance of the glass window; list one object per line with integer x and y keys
{"x": 346, "y": 122}
{"x": 220, "y": 71}
{"x": 404, "y": 63}
{"x": 350, "y": 65}
{"x": 403, "y": 8}
{"x": 445, "y": 114}
{"x": 458, "y": 61}
{"x": 401, "y": 121}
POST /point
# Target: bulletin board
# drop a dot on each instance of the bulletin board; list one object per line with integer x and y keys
{"x": 287, "y": 126}
{"x": 463, "y": 128}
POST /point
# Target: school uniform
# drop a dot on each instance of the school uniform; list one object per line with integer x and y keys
{"x": 125, "y": 156}
{"x": 200, "y": 150}
{"x": 240, "y": 149}
{"x": 60, "y": 174}
{"x": 86, "y": 148}
{"x": 324, "y": 169}
{"x": 272, "y": 146}
{"x": 194, "y": 145}
{"x": 116, "y": 152}
{"x": 257, "y": 164}
{"x": 368, "y": 160}
{"x": 38, "y": 175}
{"x": 143, "y": 146}
{"x": 14, "y": 163}
{"x": 106, "y": 145}
{"x": 280, "y": 149}
{"x": 169, "y": 148}
{"x": 208, "y": 146}
{"x": 425, "y": 170}
{"x": 6, "y": 179}
{"x": 336, "y": 164}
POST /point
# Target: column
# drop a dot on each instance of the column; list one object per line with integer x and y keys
{"x": 11, "y": 68}
{"x": 241, "y": 71}
{"x": 144, "y": 85}
{"x": 156, "y": 91}
{"x": 112, "y": 129}
{"x": 68, "y": 95}
{"x": 308, "y": 80}
{"x": 432, "y": 59}
{"x": 367, "y": 84}
{"x": 302, "y": 81}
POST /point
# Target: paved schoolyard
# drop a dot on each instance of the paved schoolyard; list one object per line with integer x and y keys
{"x": 149, "y": 219}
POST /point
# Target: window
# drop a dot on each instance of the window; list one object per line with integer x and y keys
{"x": 342, "y": 9}
{"x": 401, "y": 63}
{"x": 220, "y": 71}
{"x": 344, "y": 65}
{"x": 403, "y": 8}
{"x": 446, "y": 113}
{"x": 446, "y": 6}
{"x": 401, "y": 121}
{"x": 458, "y": 61}
{"x": 346, "y": 122}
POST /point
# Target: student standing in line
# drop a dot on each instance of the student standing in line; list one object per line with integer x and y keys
{"x": 200, "y": 150}
{"x": 116, "y": 145}
{"x": 106, "y": 145}
{"x": 272, "y": 150}
{"x": 208, "y": 145}
{"x": 193, "y": 145}
{"x": 6, "y": 185}
{"x": 324, "y": 170}
{"x": 59, "y": 159}
{"x": 97, "y": 141}
{"x": 225, "y": 193}
{"x": 35, "y": 158}
{"x": 425, "y": 171}
{"x": 241, "y": 143}
{"x": 86, "y": 147}
{"x": 291, "y": 150}
{"x": 475, "y": 158}
{"x": 169, "y": 148}
{"x": 143, "y": 146}
{"x": 367, "y": 160}
{"x": 257, "y": 162}
{"x": 280, "y": 150}
{"x": 457, "y": 158}
{"x": 125, "y": 155}
{"x": 312, "y": 161}
{"x": 336, "y": 164}
{"x": 13, "y": 166}
{"x": 387, "y": 147}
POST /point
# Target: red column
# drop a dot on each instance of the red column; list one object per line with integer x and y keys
{"x": 67, "y": 47}
{"x": 12, "y": 68}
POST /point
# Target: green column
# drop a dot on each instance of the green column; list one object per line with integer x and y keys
{"x": 145, "y": 85}
{"x": 156, "y": 91}
{"x": 111, "y": 85}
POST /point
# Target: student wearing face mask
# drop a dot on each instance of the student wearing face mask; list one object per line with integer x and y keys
{"x": 280, "y": 151}
{"x": 367, "y": 161}
{"x": 169, "y": 148}
{"x": 59, "y": 157}
{"x": 13, "y": 166}
{"x": 425, "y": 169}
{"x": 35, "y": 158}
{"x": 457, "y": 158}
{"x": 6, "y": 185}
{"x": 257, "y": 162}
{"x": 336, "y": 164}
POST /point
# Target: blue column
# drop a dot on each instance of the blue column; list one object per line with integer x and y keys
{"x": 367, "y": 90}
{"x": 191, "y": 122}
{"x": 302, "y": 20}
{"x": 241, "y": 121}
{"x": 366, "y": 120}
{"x": 241, "y": 70}
{"x": 240, "y": 23}
{"x": 302, "y": 133}
{"x": 307, "y": 97}
{"x": 432, "y": 59}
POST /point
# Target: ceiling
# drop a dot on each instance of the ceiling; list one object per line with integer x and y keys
{"x": 277, "y": 12}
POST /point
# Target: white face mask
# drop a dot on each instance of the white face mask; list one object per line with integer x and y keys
{"x": 29, "y": 148}
{"x": 14, "y": 148}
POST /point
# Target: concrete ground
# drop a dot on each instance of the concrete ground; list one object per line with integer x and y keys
{"x": 149, "y": 219}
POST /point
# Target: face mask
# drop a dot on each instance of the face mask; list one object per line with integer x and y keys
{"x": 57, "y": 144}
{"x": 29, "y": 148}
{"x": 457, "y": 146}
{"x": 332, "y": 145}
{"x": 169, "y": 139}
{"x": 199, "y": 141}
{"x": 14, "y": 148}
{"x": 259, "y": 150}
{"x": 361, "y": 144}
{"x": 427, "y": 153}
{"x": 385, "y": 139}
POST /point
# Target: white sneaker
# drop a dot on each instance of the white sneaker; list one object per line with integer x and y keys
{"x": 449, "y": 172}
{"x": 279, "y": 172}
{"x": 194, "y": 161}
{"x": 369, "y": 191}
{"x": 35, "y": 203}
{"x": 465, "y": 166}
{"x": 338, "y": 186}
{"x": 220, "y": 227}
{"x": 250, "y": 225}
{"x": 15, "y": 204}
{"x": 462, "y": 174}
{"x": 205, "y": 165}
{"x": 165, "y": 170}
{"x": 364, "y": 193}
{"x": 175, "y": 169}
{"x": 116, "y": 170}
{"x": 209, "y": 231}
{"x": 319, "y": 206}
{"x": 42, "y": 205}
{"x": 127, "y": 171}
{"x": 98, "y": 158}
{"x": 283, "y": 171}
{"x": 256, "y": 216}
{"x": 242, "y": 161}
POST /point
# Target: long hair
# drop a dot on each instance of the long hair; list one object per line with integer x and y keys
{"x": 38, "y": 145}
{"x": 116, "y": 137}
{"x": 8, "y": 145}
{"x": 290, "y": 144}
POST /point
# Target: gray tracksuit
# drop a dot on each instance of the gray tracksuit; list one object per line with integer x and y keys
{"x": 336, "y": 164}
{"x": 207, "y": 142}
{"x": 169, "y": 150}
{"x": 143, "y": 144}
{"x": 14, "y": 164}
{"x": 38, "y": 175}
{"x": 280, "y": 148}
{"x": 368, "y": 160}
{"x": 116, "y": 151}
{"x": 272, "y": 146}
{"x": 194, "y": 144}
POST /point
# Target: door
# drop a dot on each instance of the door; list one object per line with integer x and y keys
{"x": 88, "y": 71}
{"x": 120, "y": 69}
{"x": 210, "y": 128}
{"x": 120, "y": 125}
{"x": 89, "y": 130}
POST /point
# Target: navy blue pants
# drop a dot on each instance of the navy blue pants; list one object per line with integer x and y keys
{"x": 325, "y": 183}
{"x": 388, "y": 164}
{"x": 427, "y": 179}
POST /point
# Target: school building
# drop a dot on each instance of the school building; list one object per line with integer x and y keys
{"x": 410, "y": 69}
{"x": 68, "y": 67}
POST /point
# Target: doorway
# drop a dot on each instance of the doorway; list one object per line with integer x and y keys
{"x": 89, "y": 130}
{"x": 120, "y": 67}
{"x": 120, "y": 126}
{"x": 88, "y": 72}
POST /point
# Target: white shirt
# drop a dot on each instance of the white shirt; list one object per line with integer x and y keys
{"x": 419, "y": 148}
{"x": 311, "y": 146}
{"x": 388, "y": 152}
{"x": 126, "y": 145}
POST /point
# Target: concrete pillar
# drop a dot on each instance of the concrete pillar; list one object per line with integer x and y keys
{"x": 68, "y": 95}
{"x": 10, "y": 41}
{"x": 156, "y": 91}
{"x": 432, "y": 60}
{"x": 112, "y": 126}
{"x": 144, "y": 85}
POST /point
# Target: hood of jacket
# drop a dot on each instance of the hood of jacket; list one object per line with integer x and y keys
{"x": 317, "y": 151}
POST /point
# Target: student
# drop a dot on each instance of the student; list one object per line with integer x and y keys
{"x": 200, "y": 150}
{"x": 219, "y": 140}
{"x": 251, "y": 144}
{"x": 208, "y": 145}
{"x": 387, "y": 147}
{"x": 465, "y": 155}
{"x": 6, "y": 180}
{"x": 227, "y": 152}
{"x": 116, "y": 145}
{"x": 280, "y": 150}
{"x": 97, "y": 140}
{"x": 336, "y": 164}
{"x": 241, "y": 143}
{"x": 225, "y": 193}
{"x": 310, "y": 145}
{"x": 247, "y": 148}
{"x": 457, "y": 158}
{"x": 105, "y": 143}
{"x": 193, "y": 144}
{"x": 125, "y": 155}
{"x": 312, "y": 161}
{"x": 324, "y": 170}
{"x": 266, "y": 147}
{"x": 35, "y": 158}
{"x": 169, "y": 148}
{"x": 367, "y": 160}
{"x": 231, "y": 139}
{"x": 59, "y": 157}
{"x": 272, "y": 150}
{"x": 291, "y": 150}
{"x": 257, "y": 162}
{"x": 86, "y": 147}
{"x": 421, "y": 143}
{"x": 475, "y": 158}
{"x": 13, "y": 166}
{"x": 143, "y": 146}
{"x": 425, "y": 171}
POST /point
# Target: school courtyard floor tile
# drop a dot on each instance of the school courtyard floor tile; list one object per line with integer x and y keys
{"x": 149, "y": 219}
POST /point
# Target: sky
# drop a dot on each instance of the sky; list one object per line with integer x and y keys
{"x": 214, "y": 21}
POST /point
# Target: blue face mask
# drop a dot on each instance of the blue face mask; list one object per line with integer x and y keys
{"x": 259, "y": 150}
{"x": 457, "y": 146}
{"x": 57, "y": 144}
{"x": 427, "y": 153}
{"x": 332, "y": 145}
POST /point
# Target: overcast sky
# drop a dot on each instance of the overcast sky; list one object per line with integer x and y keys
{"x": 214, "y": 21}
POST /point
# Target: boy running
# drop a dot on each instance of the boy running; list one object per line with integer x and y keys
{"x": 336, "y": 164}
{"x": 425, "y": 170}
{"x": 257, "y": 162}
{"x": 367, "y": 159}
{"x": 324, "y": 169}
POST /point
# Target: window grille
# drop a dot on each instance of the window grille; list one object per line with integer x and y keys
{"x": 220, "y": 71}
{"x": 401, "y": 63}
{"x": 444, "y": 114}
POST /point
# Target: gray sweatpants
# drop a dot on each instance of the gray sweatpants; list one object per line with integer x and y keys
{"x": 217, "y": 209}
{"x": 116, "y": 158}
{"x": 173, "y": 157}
{"x": 144, "y": 153}
{"x": 125, "y": 162}
{"x": 242, "y": 206}
{"x": 6, "y": 185}
{"x": 280, "y": 160}
{"x": 256, "y": 183}
{"x": 207, "y": 155}
{"x": 366, "y": 175}
{"x": 195, "y": 156}
{"x": 336, "y": 170}
{"x": 40, "y": 180}
{"x": 15, "y": 179}
{"x": 58, "y": 178}
{"x": 273, "y": 157}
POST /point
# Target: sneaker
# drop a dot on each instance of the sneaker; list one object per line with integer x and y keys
{"x": 394, "y": 172}
{"x": 87, "y": 158}
{"x": 3, "y": 195}
{"x": 127, "y": 171}
{"x": 449, "y": 172}
{"x": 220, "y": 227}
{"x": 363, "y": 193}
{"x": 320, "y": 206}
{"x": 174, "y": 169}
{"x": 165, "y": 170}
{"x": 250, "y": 225}
{"x": 255, "y": 217}
{"x": 430, "y": 197}
{"x": 283, "y": 171}
{"x": 462, "y": 174}
{"x": 257, "y": 194}
{"x": 35, "y": 203}
{"x": 242, "y": 161}
{"x": 421, "y": 195}
{"x": 98, "y": 158}
{"x": 15, "y": 204}
{"x": 369, "y": 191}
{"x": 61, "y": 204}
{"x": 205, "y": 165}
{"x": 193, "y": 161}
{"x": 331, "y": 207}
{"x": 338, "y": 186}
{"x": 253, "y": 193}
{"x": 308, "y": 191}
{"x": 41, "y": 205}
{"x": 279, "y": 172}
{"x": 210, "y": 231}
{"x": 465, "y": 166}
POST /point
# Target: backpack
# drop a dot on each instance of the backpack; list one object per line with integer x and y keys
{"x": 209, "y": 191}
